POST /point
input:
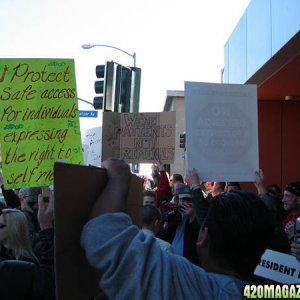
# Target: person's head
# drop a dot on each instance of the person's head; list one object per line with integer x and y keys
{"x": 218, "y": 187}
{"x": 151, "y": 218}
{"x": 33, "y": 194}
{"x": 175, "y": 178}
{"x": 177, "y": 186}
{"x": 23, "y": 195}
{"x": 208, "y": 185}
{"x": 14, "y": 233}
{"x": 273, "y": 190}
{"x": 291, "y": 197}
{"x": 184, "y": 195}
{"x": 149, "y": 198}
{"x": 232, "y": 186}
{"x": 236, "y": 232}
{"x": 273, "y": 199}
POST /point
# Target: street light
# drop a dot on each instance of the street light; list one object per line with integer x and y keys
{"x": 89, "y": 46}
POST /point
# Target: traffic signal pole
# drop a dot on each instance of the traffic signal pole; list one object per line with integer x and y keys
{"x": 118, "y": 88}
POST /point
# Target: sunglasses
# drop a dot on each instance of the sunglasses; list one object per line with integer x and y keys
{"x": 2, "y": 226}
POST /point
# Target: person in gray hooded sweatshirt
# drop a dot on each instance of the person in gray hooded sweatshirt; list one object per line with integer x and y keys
{"x": 132, "y": 265}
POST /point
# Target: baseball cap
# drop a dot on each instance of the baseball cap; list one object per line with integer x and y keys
{"x": 24, "y": 192}
{"x": 34, "y": 194}
{"x": 293, "y": 187}
{"x": 184, "y": 192}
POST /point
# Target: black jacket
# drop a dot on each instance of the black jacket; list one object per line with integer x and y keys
{"x": 20, "y": 280}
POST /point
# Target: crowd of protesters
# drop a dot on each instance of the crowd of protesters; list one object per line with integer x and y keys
{"x": 26, "y": 244}
{"x": 182, "y": 200}
{"x": 234, "y": 229}
{"x": 204, "y": 231}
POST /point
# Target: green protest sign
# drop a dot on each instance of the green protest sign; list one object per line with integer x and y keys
{"x": 39, "y": 121}
{"x": 0, "y": 159}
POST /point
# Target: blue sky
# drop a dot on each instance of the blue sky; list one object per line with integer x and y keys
{"x": 175, "y": 41}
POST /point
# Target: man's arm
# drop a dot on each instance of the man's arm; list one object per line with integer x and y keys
{"x": 113, "y": 197}
{"x": 259, "y": 182}
{"x": 43, "y": 245}
{"x": 200, "y": 204}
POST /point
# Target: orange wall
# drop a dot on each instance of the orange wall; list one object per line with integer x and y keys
{"x": 290, "y": 141}
{"x": 279, "y": 142}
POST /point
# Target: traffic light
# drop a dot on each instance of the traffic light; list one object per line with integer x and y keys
{"x": 124, "y": 88}
{"x": 136, "y": 88}
{"x": 182, "y": 141}
{"x": 117, "y": 88}
{"x": 104, "y": 87}
{"x": 127, "y": 92}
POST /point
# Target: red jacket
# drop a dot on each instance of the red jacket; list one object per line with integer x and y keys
{"x": 292, "y": 217}
{"x": 163, "y": 191}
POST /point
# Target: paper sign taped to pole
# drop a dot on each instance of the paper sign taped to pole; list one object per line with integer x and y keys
{"x": 222, "y": 131}
{"x": 91, "y": 142}
{"x": 139, "y": 137}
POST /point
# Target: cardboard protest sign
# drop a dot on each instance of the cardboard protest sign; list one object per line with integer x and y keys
{"x": 280, "y": 267}
{"x": 139, "y": 137}
{"x": 39, "y": 121}
{"x": 76, "y": 188}
{"x": 91, "y": 142}
{"x": 222, "y": 130}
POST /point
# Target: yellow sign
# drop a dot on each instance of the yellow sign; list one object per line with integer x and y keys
{"x": 39, "y": 121}
{"x": 0, "y": 159}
